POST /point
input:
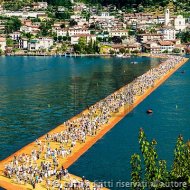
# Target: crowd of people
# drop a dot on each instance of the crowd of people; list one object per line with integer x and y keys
{"x": 43, "y": 165}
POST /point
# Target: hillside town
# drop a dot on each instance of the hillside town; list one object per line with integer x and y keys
{"x": 45, "y": 30}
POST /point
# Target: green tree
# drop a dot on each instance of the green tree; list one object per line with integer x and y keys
{"x": 27, "y": 35}
{"x": 72, "y": 23}
{"x": 112, "y": 52}
{"x": 63, "y": 15}
{"x": 176, "y": 50}
{"x": 136, "y": 173}
{"x": 122, "y": 50}
{"x": 131, "y": 32}
{"x": 127, "y": 51}
{"x": 36, "y": 20}
{"x": 96, "y": 47}
{"x": 9, "y": 42}
{"x": 65, "y": 3}
{"x": 116, "y": 40}
{"x": 181, "y": 165}
{"x": 45, "y": 28}
{"x": 60, "y": 38}
{"x": 165, "y": 51}
{"x": 12, "y": 24}
{"x": 82, "y": 43}
{"x": 156, "y": 170}
{"x": 89, "y": 48}
{"x": 184, "y": 36}
{"x": 62, "y": 25}
{"x": 135, "y": 51}
{"x": 65, "y": 38}
{"x": 14, "y": 6}
{"x": 77, "y": 48}
{"x": 55, "y": 38}
{"x": 64, "y": 47}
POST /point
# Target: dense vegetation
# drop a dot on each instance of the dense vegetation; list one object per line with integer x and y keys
{"x": 86, "y": 48}
{"x": 65, "y": 3}
{"x": 17, "y": 4}
{"x": 184, "y": 4}
{"x": 184, "y": 36}
{"x": 12, "y": 24}
{"x": 148, "y": 168}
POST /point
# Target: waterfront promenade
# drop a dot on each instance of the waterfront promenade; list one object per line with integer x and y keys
{"x": 80, "y": 148}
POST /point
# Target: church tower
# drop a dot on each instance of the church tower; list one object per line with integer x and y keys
{"x": 167, "y": 17}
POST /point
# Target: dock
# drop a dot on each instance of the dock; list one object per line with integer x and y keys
{"x": 81, "y": 148}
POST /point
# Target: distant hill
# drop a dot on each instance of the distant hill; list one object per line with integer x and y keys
{"x": 179, "y": 4}
{"x": 128, "y": 3}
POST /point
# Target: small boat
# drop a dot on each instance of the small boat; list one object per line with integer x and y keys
{"x": 119, "y": 55}
{"x": 182, "y": 72}
{"x": 126, "y": 56}
{"x": 149, "y": 111}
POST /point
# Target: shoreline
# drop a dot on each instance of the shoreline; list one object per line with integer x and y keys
{"x": 82, "y": 55}
{"x": 57, "y": 55}
{"x": 82, "y": 148}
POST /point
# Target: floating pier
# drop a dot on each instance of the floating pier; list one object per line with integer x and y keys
{"x": 81, "y": 148}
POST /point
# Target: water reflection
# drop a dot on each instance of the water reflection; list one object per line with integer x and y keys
{"x": 37, "y": 94}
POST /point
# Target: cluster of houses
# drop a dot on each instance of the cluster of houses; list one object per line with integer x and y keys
{"x": 157, "y": 32}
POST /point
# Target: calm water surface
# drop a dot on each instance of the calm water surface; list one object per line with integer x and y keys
{"x": 38, "y": 93}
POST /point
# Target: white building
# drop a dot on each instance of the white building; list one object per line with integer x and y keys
{"x": 103, "y": 17}
{"x": 61, "y": 32}
{"x": 33, "y": 45}
{"x": 79, "y": 19}
{"x": 168, "y": 30}
{"x": 29, "y": 29}
{"x": 105, "y": 14}
{"x": 46, "y": 43}
{"x": 23, "y": 44}
{"x": 151, "y": 46}
{"x": 169, "y": 33}
{"x": 159, "y": 20}
{"x": 22, "y": 14}
{"x": 3, "y": 43}
{"x": 15, "y": 35}
{"x": 118, "y": 33}
{"x": 81, "y": 31}
{"x": 143, "y": 38}
{"x": 40, "y": 44}
{"x": 179, "y": 23}
{"x": 72, "y": 32}
{"x": 41, "y": 5}
{"x": 166, "y": 46}
{"x": 26, "y": 29}
{"x": 167, "y": 17}
{"x": 88, "y": 37}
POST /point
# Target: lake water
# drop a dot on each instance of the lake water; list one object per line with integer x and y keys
{"x": 38, "y": 93}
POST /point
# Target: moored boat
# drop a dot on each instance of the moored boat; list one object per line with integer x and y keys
{"x": 119, "y": 55}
